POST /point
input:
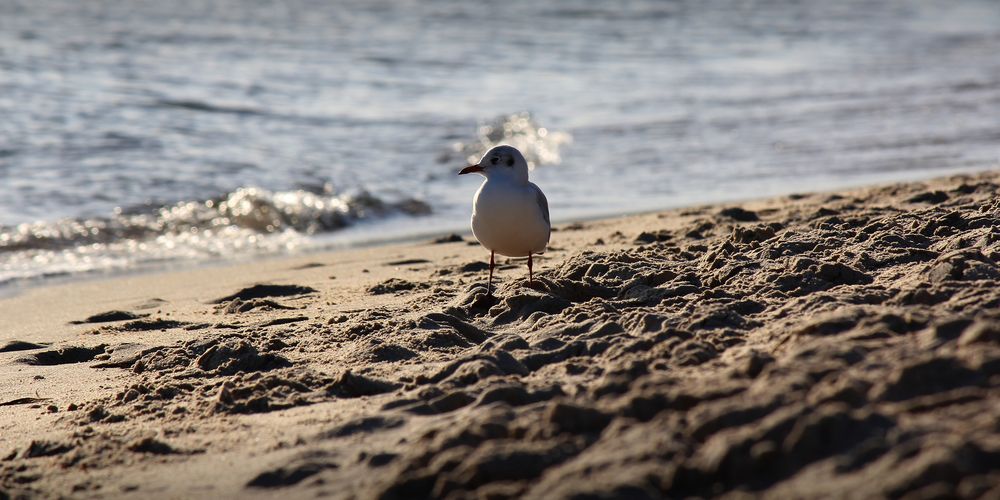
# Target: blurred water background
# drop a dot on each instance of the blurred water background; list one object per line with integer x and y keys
{"x": 140, "y": 133}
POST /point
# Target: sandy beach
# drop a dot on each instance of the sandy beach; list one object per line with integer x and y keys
{"x": 835, "y": 344}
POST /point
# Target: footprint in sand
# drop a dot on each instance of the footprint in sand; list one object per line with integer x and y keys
{"x": 20, "y": 345}
{"x": 63, "y": 356}
{"x": 108, "y": 317}
{"x": 261, "y": 291}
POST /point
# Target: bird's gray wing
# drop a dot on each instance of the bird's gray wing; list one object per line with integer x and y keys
{"x": 543, "y": 204}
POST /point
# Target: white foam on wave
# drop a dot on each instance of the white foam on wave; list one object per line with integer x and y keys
{"x": 539, "y": 145}
{"x": 248, "y": 222}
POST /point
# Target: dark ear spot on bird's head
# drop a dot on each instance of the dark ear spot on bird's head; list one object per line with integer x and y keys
{"x": 510, "y": 161}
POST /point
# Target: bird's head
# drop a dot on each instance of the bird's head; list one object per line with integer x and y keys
{"x": 501, "y": 162}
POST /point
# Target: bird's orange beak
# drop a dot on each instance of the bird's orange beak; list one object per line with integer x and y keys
{"x": 471, "y": 169}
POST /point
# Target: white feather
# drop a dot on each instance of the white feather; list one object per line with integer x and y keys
{"x": 510, "y": 215}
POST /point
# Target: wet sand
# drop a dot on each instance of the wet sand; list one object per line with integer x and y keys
{"x": 834, "y": 344}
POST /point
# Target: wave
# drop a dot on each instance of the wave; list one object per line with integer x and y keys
{"x": 248, "y": 221}
{"x": 207, "y": 107}
{"x": 539, "y": 145}
{"x": 250, "y": 208}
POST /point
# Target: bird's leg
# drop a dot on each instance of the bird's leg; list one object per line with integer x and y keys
{"x": 531, "y": 278}
{"x": 489, "y": 284}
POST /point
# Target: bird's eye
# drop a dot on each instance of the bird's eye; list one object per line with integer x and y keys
{"x": 494, "y": 160}
{"x": 510, "y": 161}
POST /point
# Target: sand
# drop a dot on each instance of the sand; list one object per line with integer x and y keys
{"x": 806, "y": 346}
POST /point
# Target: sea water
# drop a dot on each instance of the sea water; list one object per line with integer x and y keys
{"x": 137, "y": 133}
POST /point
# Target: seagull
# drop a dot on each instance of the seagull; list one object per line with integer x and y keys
{"x": 510, "y": 215}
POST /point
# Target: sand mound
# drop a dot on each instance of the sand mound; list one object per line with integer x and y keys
{"x": 826, "y": 345}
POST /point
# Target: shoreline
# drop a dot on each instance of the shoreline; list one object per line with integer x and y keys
{"x": 327, "y": 242}
{"x": 702, "y": 350}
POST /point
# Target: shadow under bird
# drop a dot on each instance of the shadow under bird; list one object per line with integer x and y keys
{"x": 510, "y": 215}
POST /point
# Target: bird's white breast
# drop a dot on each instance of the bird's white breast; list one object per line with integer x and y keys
{"x": 506, "y": 218}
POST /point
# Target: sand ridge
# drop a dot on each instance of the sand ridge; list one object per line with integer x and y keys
{"x": 805, "y": 346}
